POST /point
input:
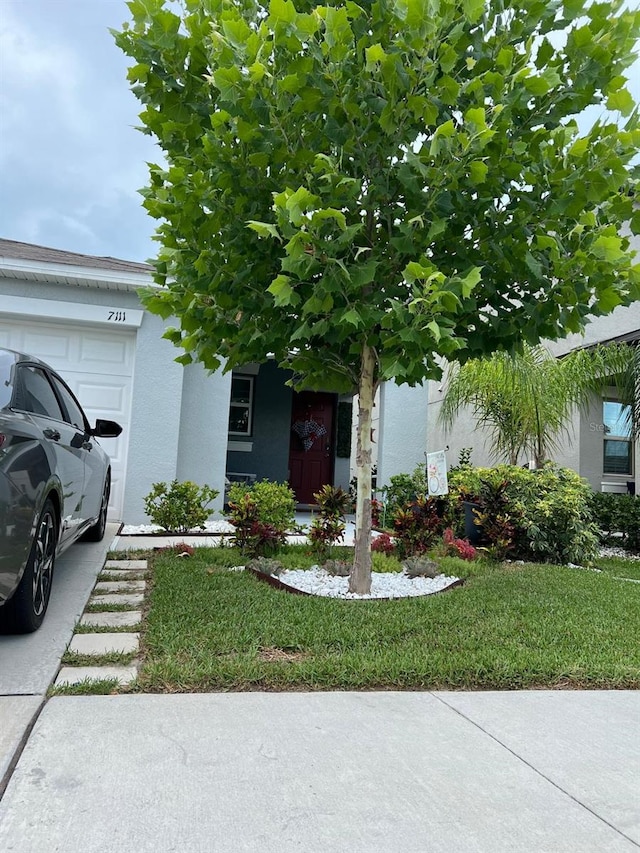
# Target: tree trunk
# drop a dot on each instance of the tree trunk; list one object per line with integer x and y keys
{"x": 360, "y": 578}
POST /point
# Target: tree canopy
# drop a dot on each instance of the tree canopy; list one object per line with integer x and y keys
{"x": 364, "y": 189}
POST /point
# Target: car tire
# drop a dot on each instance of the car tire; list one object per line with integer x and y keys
{"x": 26, "y": 609}
{"x": 95, "y": 533}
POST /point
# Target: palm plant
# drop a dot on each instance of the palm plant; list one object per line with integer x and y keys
{"x": 526, "y": 399}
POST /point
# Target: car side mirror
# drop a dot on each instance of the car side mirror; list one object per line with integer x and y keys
{"x": 106, "y": 429}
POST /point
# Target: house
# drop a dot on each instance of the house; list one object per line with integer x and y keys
{"x": 82, "y": 314}
{"x": 598, "y": 445}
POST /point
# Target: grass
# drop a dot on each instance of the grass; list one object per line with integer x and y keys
{"x": 619, "y": 567}
{"x": 106, "y": 659}
{"x": 105, "y": 607}
{"x": 508, "y": 627}
{"x": 90, "y": 687}
{"x": 107, "y": 629}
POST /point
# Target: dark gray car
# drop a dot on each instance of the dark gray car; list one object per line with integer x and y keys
{"x": 55, "y": 481}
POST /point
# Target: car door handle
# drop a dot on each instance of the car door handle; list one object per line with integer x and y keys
{"x": 51, "y": 433}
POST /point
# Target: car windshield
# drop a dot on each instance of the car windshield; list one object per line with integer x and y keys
{"x": 7, "y": 362}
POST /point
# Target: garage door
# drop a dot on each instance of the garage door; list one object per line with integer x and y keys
{"x": 98, "y": 367}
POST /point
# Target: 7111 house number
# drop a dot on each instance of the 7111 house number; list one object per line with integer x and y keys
{"x": 116, "y": 317}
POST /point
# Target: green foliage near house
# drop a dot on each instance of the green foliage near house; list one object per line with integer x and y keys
{"x": 364, "y": 189}
{"x": 543, "y": 514}
{"x": 527, "y": 398}
{"x": 178, "y": 507}
{"x": 261, "y": 513}
{"x": 402, "y": 490}
{"x": 617, "y": 514}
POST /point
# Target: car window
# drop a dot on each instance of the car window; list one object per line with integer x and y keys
{"x": 76, "y": 415}
{"x": 34, "y": 393}
{"x": 7, "y": 362}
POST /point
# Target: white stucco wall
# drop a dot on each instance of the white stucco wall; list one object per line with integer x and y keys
{"x": 402, "y": 430}
{"x": 204, "y": 422}
{"x": 155, "y": 417}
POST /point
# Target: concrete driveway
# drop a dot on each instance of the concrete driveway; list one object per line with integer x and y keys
{"x": 29, "y": 662}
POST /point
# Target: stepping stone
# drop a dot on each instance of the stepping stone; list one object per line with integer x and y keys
{"x": 126, "y": 564}
{"x": 121, "y": 573}
{"x": 103, "y": 644}
{"x": 134, "y": 600}
{"x": 116, "y": 619}
{"x": 78, "y": 674}
{"x": 120, "y": 586}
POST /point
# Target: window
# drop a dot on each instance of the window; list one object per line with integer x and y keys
{"x": 618, "y": 448}
{"x": 240, "y": 410}
{"x": 34, "y": 393}
{"x": 76, "y": 415}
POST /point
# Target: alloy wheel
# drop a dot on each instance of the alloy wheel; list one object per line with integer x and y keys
{"x": 45, "y": 546}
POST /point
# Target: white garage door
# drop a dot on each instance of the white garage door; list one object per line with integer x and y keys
{"x": 98, "y": 367}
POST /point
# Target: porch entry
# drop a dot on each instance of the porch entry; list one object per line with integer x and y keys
{"x": 311, "y": 443}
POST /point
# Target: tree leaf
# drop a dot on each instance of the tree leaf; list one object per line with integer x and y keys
{"x": 621, "y": 101}
{"x": 352, "y": 317}
{"x": 478, "y": 171}
{"x": 264, "y": 229}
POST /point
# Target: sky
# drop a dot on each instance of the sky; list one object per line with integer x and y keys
{"x": 71, "y": 160}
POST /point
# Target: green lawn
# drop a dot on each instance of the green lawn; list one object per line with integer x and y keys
{"x": 618, "y": 567}
{"x": 515, "y": 626}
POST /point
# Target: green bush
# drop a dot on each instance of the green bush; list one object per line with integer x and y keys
{"x": 261, "y": 514}
{"x": 402, "y": 490}
{"x": 179, "y": 507}
{"x": 546, "y": 514}
{"x": 275, "y": 502}
{"x": 617, "y": 514}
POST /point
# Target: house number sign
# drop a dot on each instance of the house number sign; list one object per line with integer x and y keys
{"x": 117, "y": 317}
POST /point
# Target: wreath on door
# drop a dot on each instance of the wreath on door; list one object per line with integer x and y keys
{"x": 308, "y": 431}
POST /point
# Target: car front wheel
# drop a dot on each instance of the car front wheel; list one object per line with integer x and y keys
{"x": 24, "y": 612}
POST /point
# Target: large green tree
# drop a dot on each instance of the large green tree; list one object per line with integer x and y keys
{"x": 364, "y": 189}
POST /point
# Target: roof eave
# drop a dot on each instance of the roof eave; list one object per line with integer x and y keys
{"x": 67, "y": 274}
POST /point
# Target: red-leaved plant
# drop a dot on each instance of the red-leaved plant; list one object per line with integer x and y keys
{"x": 383, "y": 543}
{"x": 458, "y": 547}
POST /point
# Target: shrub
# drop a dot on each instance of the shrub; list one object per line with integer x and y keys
{"x": 179, "y": 507}
{"x": 385, "y": 562}
{"x": 253, "y": 535}
{"x": 324, "y": 532}
{"x": 540, "y": 515}
{"x": 275, "y": 502}
{"x": 404, "y": 489}
{"x": 327, "y": 528}
{"x": 383, "y": 544}
{"x": 617, "y": 514}
{"x": 417, "y": 526}
{"x": 333, "y": 501}
{"x": 376, "y": 512}
{"x": 454, "y": 547}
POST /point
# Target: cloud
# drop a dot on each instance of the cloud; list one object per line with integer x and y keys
{"x": 69, "y": 153}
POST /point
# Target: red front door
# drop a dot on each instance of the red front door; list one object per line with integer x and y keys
{"x": 311, "y": 447}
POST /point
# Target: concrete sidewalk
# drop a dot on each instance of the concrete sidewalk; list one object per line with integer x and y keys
{"x": 366, "y": 772}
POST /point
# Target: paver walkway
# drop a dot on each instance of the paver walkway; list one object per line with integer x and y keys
{"x": 128, "y": 590}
